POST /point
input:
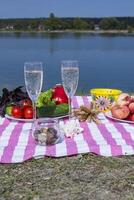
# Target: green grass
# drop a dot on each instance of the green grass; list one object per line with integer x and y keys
{"x": 78, "y": 177}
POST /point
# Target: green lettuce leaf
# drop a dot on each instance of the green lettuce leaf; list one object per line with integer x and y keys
{"x": 52, "y": 110}
{"x": 45, "y": 98}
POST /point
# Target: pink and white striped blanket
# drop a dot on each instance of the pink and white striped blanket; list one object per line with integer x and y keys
{"x": 110, "y": 138}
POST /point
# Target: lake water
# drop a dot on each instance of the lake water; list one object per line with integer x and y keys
{"x": 104, "y": 61}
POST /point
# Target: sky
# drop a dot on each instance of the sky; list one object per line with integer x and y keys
{"x": 65, "y": 8}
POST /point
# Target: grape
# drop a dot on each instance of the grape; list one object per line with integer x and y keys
{"x": 10, "y": 98}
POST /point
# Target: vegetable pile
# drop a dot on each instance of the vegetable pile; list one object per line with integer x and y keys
{"x": 50, "y": 103}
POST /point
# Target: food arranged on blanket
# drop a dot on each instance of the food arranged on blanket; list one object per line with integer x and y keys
{"x": 21, "y": 109}
{"x": 11, "y": 98}
{"x": 59, "y": 95}
{"x": 124, "y": 107}
{"x": 46, "y": 136}
{"x": 50, "y": 103}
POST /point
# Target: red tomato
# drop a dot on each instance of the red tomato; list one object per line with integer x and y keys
{"x": 17, "y": 112}
{"x": 28, "y": 112}
{"x": 26, "y": 103}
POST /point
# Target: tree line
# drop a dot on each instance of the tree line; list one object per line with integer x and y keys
{"x": 55, "y": 23}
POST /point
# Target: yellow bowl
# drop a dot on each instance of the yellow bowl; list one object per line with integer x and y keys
{"x": 103, "y": 98}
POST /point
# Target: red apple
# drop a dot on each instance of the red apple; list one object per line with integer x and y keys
{"x": 124, "y": 99}
{"x": 130, "y": 117}
{"x": 120, "y": 112}
{"x": 131, "y": 107}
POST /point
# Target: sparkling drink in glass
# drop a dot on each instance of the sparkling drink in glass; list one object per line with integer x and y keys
{"x": 33, "y": 74}
{"x": 70, "y": 77}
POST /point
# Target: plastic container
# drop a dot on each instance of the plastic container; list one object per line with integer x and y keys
{"x": 103, "y": 98}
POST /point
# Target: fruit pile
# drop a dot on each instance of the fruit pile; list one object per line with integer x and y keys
{"x": 124, "y": 107}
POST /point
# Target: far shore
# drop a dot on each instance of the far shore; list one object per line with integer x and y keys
{"x": 71, "y": 31}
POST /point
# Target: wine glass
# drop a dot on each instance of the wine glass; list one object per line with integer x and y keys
{"x": 33, "y": 74}
{"x": 70, "y": 77}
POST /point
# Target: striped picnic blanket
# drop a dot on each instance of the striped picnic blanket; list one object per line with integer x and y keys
{"x": 110, "y": 138}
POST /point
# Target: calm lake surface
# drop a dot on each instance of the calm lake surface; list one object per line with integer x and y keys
{"x": 104, "y": 61}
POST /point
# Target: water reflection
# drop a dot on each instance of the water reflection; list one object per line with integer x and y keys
{"x": 105, "y": 61}
{"x": 17, "y": 34}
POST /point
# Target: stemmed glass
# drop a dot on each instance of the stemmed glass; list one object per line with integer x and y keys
{"x": 33, "y": 74}
{"x": 70, "y": 77}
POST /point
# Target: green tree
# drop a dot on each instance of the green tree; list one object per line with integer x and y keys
{"x": 80, "y": 24}
{"x": 123, "y": 25}
{"x": 51, "y": 16}
{"x": 91, "y": 25}
{"x": 18, "y": 25}
{"x": 53, "y": 23}
{"x": 130, "y": 29}
{"x": 34, "y": 24}
{"x": 109, "y": 23}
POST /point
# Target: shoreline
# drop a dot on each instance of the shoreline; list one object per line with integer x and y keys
{"x": 71, "y": 31}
